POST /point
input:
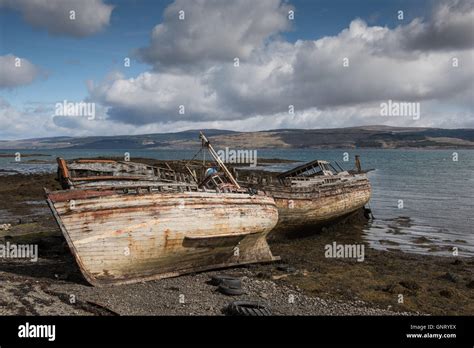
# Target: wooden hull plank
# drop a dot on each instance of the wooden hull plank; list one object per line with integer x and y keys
{"x": 121, "y": 238}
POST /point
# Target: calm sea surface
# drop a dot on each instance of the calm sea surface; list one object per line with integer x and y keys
{"x": 423, "y": 200}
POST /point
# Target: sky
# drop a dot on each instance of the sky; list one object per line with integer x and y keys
{"x": 301, "y": 64}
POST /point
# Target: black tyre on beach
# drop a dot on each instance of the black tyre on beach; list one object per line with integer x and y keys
{"x": 248, "y": 308}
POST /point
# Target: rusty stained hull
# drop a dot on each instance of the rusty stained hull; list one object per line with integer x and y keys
{"x": 120, "y": 238}
{"x": 306, "y": 211}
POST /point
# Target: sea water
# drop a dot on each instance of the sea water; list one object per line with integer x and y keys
{"x": 422, "y": 199}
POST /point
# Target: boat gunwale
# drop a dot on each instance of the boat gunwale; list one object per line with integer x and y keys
{"x": 86, "y": 193}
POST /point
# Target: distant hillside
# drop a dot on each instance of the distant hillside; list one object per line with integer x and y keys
{"x": 354, "y": 137}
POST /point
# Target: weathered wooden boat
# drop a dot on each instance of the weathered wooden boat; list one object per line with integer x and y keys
{"x": 85, "y": 173}
{"x": 126, "y": 222}
{"x": 311, "y": 195}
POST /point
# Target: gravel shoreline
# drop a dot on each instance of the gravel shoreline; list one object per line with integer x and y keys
{"x": 185, "y": 295}
{"x": 319, "y": 285}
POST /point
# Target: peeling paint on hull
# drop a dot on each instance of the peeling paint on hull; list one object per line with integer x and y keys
{"x": 120, "y": 238}
{"x": 297, "y": 213}
{"x": 306, "y": 203}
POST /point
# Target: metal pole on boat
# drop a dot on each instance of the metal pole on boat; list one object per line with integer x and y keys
{"x": 216, "y": 157}
{"x": 357, "y": 163}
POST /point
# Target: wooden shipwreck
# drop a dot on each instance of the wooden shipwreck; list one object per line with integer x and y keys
{"x": 311, "y": 195}
{"x": 126, "y": 222}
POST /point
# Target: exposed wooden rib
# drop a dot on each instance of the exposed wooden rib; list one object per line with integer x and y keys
{"x": 63, "y": 169}
{"x": 308, "y": 197}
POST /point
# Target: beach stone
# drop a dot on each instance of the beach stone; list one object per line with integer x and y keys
{"x": 286, "y": 268}
{"x": 450, "y": 277}
{"x": 410, "y": 284}
{"x": 394, "y": 289}
{"x": 264, "y": 275}
{"x": 446, "y": 293}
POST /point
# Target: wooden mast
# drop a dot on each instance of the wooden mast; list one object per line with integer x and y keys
{"x": 216, "y": 157}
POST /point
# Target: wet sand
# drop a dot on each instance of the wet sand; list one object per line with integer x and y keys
{"x": 305, "y": 282}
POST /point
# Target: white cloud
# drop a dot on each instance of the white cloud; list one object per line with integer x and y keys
{"x": 16, "y": 71}
{"x": 18, "y": 125}
{"x": 307, "y": 74}
{"x": 91, "y": 16}
{"x": 155, "y": 97}
{"x": 194, "y": 68}
{"x": 34, "y": 123}
{"x": 213, "y": 31}
{"x": 37, "y": 120}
